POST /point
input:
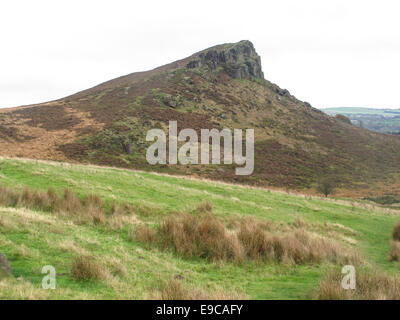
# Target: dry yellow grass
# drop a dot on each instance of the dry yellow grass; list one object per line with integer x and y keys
{"x": 205, "y": 236}
{"x": 370, "y": 285}
{"x": 86, "y": 268}
{"x": 87, "y": 210}
{"x": 175, "y": 290}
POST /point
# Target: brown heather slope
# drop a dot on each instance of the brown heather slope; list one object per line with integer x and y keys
{"x": 222, "y": 86}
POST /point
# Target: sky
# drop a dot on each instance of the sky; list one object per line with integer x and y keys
{"x": 331, "y": 54}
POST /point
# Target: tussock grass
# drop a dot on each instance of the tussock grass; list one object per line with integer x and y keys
{"x": 201, "y": 236}
{"x": 204, "y": 207}
{"x": 298, "y": 247}
{"x": 175, "y": 290}
{"x": 396, "y": 232}
{"x": 85, "y": 268}
{"x": 394, "y": 254}
{"x": 370, "y": 285}
{"x": 206, "y": 237}
{"x": 90, "y": 209}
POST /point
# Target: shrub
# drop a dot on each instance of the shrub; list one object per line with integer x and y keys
{"x": 85, "y": 268}
{"x": 386, "y": 199}
{"x": 326, "y": 186}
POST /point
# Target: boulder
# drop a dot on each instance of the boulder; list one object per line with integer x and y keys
{"x": 170, "y": 101}
{"x": 5, "y": 268}
{"x": 239, "y": 60}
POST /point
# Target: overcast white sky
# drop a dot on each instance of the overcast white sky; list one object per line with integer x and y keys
{"x": 336, "y": 53}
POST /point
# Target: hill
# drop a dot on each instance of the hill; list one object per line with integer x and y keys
{"x": 223, "y": 86}
{"x": 123, "y": 259}
{"x": 380, "y": 120}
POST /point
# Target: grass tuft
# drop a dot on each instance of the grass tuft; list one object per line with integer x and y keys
{"x": 370, "y": 285}
{"x": 206, "y": 237}
{"x": 175, "y": 290}
{"x": 86, "y": 268}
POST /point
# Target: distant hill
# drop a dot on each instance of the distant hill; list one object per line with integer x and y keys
{"x": 223, "y": 86}
{"x": 380, "y": 120}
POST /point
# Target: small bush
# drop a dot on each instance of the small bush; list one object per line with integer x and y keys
{"x": 326, "y": 186}
{"x": 85, "y": 268}
{"x": 386, "y": 199}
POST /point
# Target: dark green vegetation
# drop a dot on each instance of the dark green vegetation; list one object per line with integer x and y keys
{"x": 114, "y": 233}
{"x": 388, "y": 199}
{"x": 380, "y": 120}
{"x": 296, "y": 145}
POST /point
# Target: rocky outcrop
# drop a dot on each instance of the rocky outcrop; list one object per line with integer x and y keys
{"x": 239, "y": 60}
{"x": 5, "y": 268}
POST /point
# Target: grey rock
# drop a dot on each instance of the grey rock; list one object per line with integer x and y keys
{"x": 5, "y": 268}
{"x": 239, "y": 60}
{"x": 282, "y": 92}
{"x": 170, "y": 101}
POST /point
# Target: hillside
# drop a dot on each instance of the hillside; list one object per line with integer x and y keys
{"x": 223, "y": 86}
{"x": 129, "y": 266}
{"x": 380, "y": 120}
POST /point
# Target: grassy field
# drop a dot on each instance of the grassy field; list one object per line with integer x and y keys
{"x": 130, "y": 269}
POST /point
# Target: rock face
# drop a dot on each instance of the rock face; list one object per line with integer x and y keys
{"x": 5, "y": 268}
{"x": 238, "y": 60}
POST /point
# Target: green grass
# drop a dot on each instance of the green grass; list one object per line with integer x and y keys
{"x": 38, "y": 239}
